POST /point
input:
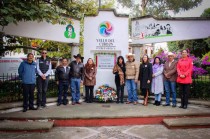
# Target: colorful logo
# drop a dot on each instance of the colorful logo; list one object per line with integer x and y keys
{"x": 105, "y": 29}
{"x": 69, "y": 33}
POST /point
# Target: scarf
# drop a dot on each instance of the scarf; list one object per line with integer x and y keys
{"x": 155, "y": 67}
{"x": 120, "y": 72}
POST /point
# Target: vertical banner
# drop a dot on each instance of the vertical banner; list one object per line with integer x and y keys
{"x": 105, "y": 38}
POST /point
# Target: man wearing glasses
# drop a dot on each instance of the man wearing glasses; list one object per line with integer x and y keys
{"x": 43, "y": 69}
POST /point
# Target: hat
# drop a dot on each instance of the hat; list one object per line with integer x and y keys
{"x": 78, "y": 56}
{"x": 130, "y": 54}
{"x": 170, "y": 54}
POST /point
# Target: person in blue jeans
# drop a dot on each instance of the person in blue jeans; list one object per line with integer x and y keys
{"x": 170, "y": 76}
{"x": 27, "y": 73}
{"x": 77, "y": 76}
{"x": 132, "y": 73}
{"x": 62, "y": 78}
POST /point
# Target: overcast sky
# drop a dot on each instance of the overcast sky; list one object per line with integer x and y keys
{"x": 196, "y": 12}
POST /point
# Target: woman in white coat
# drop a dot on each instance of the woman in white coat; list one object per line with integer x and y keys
{"x": 157, "y": 80}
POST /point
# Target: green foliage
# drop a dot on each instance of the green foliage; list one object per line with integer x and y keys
{"x": 201, "y": 89}
{"x": 197, "y": 47}
{"x": 207, "y": 54}
{"x": 11, "y": 91}
{"x": 206, "y": 13}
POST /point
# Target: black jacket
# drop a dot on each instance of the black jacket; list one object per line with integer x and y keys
{"x": 145, "y": 74}
{"x": 76, "y": 70}
{"x": 61, "y": 75}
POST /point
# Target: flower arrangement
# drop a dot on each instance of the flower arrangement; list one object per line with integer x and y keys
{"x": 197, "y": 63}
{"x": 206, "y": 61}
{"x": 105, "y": 93}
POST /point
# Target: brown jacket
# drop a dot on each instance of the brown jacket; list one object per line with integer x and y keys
{"x": 87, "y": 77}
{"x": 132, "y": 70}
{"x": 171, "y": 71}
{"x": 120, "y": 72}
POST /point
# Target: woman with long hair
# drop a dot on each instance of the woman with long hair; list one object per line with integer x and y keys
{"x": 184, "y": 79}
{"x": 145, "y": 77}
{"x": 157, "y": 80}
{"x": 89, "y": 80}
{"x": 119, "y": 71}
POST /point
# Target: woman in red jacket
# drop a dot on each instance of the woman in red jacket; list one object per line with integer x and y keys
{"x": 184, "y": 70}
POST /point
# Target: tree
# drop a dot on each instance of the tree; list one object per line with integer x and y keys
{"x": 198, "y": 47}
{"x": 206, "y": 13}
{"x": 53, "y": 11}
{"x": 159, "y": 8}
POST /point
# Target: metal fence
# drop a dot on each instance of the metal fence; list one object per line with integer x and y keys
{"x": 11, "y": 88}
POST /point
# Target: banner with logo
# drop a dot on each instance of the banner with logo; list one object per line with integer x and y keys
{"x": 68, "y": 33}
{"x": 105, "y": 38}
{"x": 149, "y": 30}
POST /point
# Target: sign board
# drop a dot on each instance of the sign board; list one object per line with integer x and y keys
{"x": 68, "y": 33}
{"x": 149, "y": 30}
{"x": 105, "y": 38}
{"x": 105, "y": 61}
{"x": 9, "y": 66}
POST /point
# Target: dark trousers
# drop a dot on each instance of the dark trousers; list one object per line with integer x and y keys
{"x": 28, "y": 95}
{"x": 89, "y": 93}
{"x": 42, "y": 86}
{"x": 63, "y": 88}
{"x": 184, "y": 92}
{"x": 144, "y": 92}
{"x": 120, "y": 93}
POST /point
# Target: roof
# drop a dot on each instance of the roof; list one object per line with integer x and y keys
{"x": 171, "y": 18}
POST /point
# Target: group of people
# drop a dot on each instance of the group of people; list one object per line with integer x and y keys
{"x": 153, "y": 77}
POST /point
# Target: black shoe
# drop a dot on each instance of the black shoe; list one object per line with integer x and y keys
{"x": 58, "y": 104}
{"x": 44, "y": 105}
{"x": 122, "y": 102}
{"x": 181, "y": 106}
{"x": 185, "y": 107}
{"x": 32, "y": 108}
{"x": 158, "y": 103}
{"x": 117, "y": 102}
{"x": 155, "y": 103}
{"x": 174, "y": 105}
{"x": 166, "y": 104}
{"x": 24, "y": 110}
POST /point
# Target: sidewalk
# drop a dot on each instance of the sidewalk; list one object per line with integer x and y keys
{"x": 5, "y": 106}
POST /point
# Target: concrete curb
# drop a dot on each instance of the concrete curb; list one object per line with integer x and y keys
{"x": 22, "y": 126}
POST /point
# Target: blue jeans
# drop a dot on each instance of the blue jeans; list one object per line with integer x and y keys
{"x": 170, "y": 87}
{"x": 132, "y": 93}
{"x": 75, "y": 89}
{"x": 63, "y": 88}
{"x": 158, "y": 97}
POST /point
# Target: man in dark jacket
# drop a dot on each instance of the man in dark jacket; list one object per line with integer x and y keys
{"x": 76, "y": 75}
{"x": 27, "y": 72}
{"x": 62, "y": 78}
{"x": 43, "y": 69}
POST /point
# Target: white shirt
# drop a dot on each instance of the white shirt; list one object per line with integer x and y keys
{"x": 64, "y": 68}
{"x": 171, "y": 62}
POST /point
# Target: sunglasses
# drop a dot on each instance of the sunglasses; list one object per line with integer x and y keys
{"x": 44, "y": 53}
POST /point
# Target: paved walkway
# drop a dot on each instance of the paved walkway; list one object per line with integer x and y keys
{"x": 116, "y": 132}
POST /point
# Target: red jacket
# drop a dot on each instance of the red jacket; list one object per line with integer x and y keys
{"x": 184, "y": 67}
